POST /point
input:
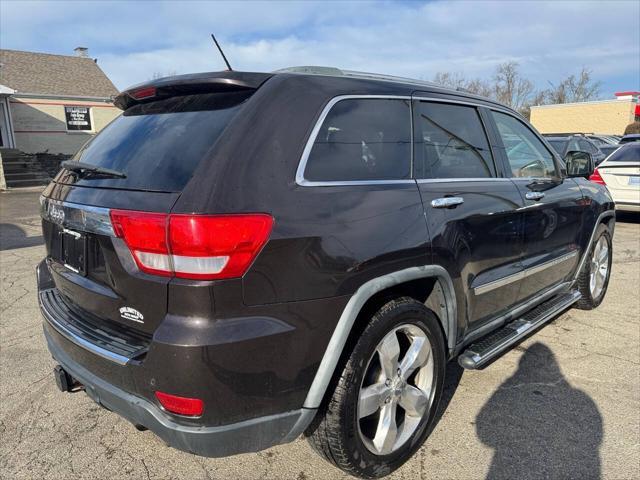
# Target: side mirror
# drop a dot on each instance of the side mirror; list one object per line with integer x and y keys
{"x": 579, "y": 164}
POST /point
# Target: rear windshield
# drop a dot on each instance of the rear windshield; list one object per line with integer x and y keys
{"x": 627, "y": 153}
{"x": 158, "y": 145}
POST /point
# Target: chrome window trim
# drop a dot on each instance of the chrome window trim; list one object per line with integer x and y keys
{"x": 302, "y": 165}
{"x": 463, "y": 102}
{"x": 501, "y": 282}
{"x": 470, "y": 179}
{"x": 74, "y": 216}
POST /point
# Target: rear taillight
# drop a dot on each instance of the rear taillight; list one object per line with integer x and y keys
{"x": 596, "y": 177}
{"x": 192, "y": 407}
{"x": 202, "y": 247}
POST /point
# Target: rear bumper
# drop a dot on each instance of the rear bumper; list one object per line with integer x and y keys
{"x": 235, "y": 420}
{"x": 247, "y": 436}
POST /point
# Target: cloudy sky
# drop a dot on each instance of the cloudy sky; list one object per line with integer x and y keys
{"x": 134, "y": 41}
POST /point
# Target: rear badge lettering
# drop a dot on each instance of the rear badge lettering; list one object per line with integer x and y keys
{"x": 132, "y": 314}
{"x": 55, "y": 213}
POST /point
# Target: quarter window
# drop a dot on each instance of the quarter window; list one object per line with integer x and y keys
{"x": 527, "y": 155}
{"x": 451, "y": 142}
{"x": 363, "y": 139}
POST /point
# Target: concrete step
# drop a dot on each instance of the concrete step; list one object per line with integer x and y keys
{"x": 27, "y": 183}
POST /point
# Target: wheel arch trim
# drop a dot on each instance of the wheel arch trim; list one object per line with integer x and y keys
{"x": 354, "y": 306}
{"x": 599, "y": 220}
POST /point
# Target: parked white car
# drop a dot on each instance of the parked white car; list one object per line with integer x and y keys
{"x": 620, "y": 172}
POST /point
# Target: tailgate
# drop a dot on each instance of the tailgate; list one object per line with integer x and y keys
{"x": 94, "y": 271}
{"x": 141, "y": 161}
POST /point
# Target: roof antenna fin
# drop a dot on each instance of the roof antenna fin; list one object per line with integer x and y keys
{"x": 221, "y": 53}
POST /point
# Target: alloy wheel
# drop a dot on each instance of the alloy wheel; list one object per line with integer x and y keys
{"x": 397, "y": 389}
{"x": 599, "y": 267}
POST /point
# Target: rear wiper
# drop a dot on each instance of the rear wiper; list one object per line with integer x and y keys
{"x": 86, "y": 169}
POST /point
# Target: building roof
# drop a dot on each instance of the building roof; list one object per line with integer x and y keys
{"x": 47, "y": 74}
{"x": 578, "y": 104}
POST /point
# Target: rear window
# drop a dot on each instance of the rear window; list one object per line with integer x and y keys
{"x": 158, "y": 145}
{"x": 627, "y": 153}
{"x": 363, "y": 139}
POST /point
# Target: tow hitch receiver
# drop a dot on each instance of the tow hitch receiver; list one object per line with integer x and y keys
{"x": 64, "y": 381}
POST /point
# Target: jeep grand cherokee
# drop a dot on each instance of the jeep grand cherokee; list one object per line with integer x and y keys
{"x": 242, "y": 258}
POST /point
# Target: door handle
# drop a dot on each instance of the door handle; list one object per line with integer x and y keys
{"x": 447, "y": 202}
{"x": 534, "y": 195}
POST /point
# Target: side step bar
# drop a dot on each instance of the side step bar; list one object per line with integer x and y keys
{"x": 487, "y": 348}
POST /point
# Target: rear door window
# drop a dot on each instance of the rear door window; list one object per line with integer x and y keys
{"x": 451, "y": 142}
{"x": 362, "y": 139}
{"x": 159, "y": 144}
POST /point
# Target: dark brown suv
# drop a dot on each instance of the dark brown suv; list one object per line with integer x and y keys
{"x": 241, "y": 258}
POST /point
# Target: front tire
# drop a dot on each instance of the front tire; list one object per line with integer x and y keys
{"x": 596, "y": 271}
{"x": 384, "y": 403}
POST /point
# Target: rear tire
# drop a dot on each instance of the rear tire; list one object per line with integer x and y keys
{"x": 596, "y": 271}
{"x": 351, "y": 429}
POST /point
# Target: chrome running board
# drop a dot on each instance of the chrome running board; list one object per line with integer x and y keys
{"x": 489, "y": 347}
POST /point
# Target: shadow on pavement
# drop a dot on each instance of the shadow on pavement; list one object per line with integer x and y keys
{"x": 452, "y": 378}
{"x": 13, "y": 236}
{"x": 540, "y": 426}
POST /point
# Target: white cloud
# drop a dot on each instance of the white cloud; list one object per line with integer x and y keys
{"x": 135, "y": 40}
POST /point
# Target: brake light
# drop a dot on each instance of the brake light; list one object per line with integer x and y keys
{"x": 202, "y": 247}
{"x": 145, "y": 235}
{"x": 596, "y": 177}
{"x": 192, "y": 407}
{"x": 143, "y": 93}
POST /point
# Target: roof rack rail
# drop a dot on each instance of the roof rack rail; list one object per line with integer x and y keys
{"x": 337, "y": 72}
{"x": 566, "y": 134}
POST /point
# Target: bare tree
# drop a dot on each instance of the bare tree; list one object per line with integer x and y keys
{"x": 632, "y": 128}
{"x": 511, "y": 88}
{"x": 508, "y": 86}
{"x": 457, "y": 80}
{"x": 574, "y": 89}
{"x": 450, "y": 79}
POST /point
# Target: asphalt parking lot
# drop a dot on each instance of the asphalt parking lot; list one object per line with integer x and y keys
{"x": 564, "y": 404}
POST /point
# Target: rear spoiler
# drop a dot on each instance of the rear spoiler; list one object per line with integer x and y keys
{"x": 211, "y": 82}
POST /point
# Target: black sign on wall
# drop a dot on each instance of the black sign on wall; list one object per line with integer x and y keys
{"x": 78, "y": 118}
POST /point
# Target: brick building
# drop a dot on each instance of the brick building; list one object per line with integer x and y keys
{"x": 603, "y": 116}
